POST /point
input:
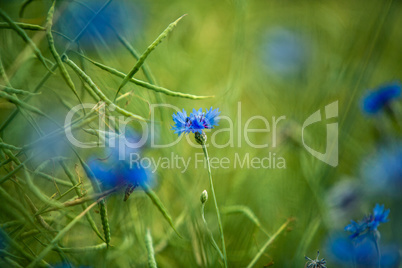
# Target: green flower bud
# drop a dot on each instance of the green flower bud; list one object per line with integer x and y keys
{"x": 204, "y": 196}
{"x": 200, "y": 138}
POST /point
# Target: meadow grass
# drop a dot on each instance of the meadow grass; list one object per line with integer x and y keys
{"x": 248, "y": 58}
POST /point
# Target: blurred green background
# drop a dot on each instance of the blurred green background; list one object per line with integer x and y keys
{"x": 275, "y": 58}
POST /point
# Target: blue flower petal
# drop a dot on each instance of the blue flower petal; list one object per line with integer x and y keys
{"x": 113, "y": 170}
{"x": 196, "y": 122}
{"x": 374, "y": 101}
{"x": 368, "y": 226}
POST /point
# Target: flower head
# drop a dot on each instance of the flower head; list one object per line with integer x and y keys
{"x": 369, "y": 223}
{"x": 344, "y": 200}
{"x": 115, "y": 169}
{"x": 376, "y": 100}
{"x": 383, "y": 171}
{"x": 316, "y": 263}
{"x": 122, "y": 145}
{"x": 112, "y": 172}
{"x": 196, "y": 122}
{"x": 125, "y": 16}
{"x": 284, "y": 52}
{"x": 379, "y": 216}
{"x": 345, "y": 252}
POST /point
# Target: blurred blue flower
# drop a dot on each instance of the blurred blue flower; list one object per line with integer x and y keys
{"x": 361, "y": 254}
{"x": 390, "y": 256}
{"x": 344, "y": 200}
{"x": 383, "y": 171}
{"x": 284, "y": 52}
{"x": 196, "y": 122}
{"x": 116, "y": 169}
{"x": 122, "y": 145}
{"x": 369, "y": 224}
{"x": 127, "y": 17}
{"x": 376, "y": 100}
{"x": 112, "y": 172}
{"x": 379, "y": 216}
{"x": 46, "y": 145}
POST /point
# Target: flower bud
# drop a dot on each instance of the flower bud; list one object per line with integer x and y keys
{"x": 200, "y": 138}
{"x": 204, "y": 196}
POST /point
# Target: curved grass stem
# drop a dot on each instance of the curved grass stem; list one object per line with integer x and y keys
{"x": 211, "y": 237}
{"x": 150, "y": 248}
{"x": 269, "y": 242}
{"x": 204, "y": 148}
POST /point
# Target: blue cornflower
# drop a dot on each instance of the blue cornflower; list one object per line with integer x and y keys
{"x": 383, "y": 171}
{"x": 211, "y": 117}
{"x": 116, "y": 169}
{"x": 124, "y": 144}
{"x": 347, "y": 253}
{"x": 196, "y": 122}
{"x": 201, "y": 120}
{"x": 369, "y": 223}
{"x": 112, "y": 172}
{"x": 127, "y": 16}
{"x": 182, "y": 123}
{"x": 380, "y": 216}
{"x": 375, "y": 100}
{"x": 285, "y": 52}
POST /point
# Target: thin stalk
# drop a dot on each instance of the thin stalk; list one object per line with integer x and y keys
{"x": 81, "y": 250}
{"x": 77, "y": 191}
{"x": 150, "y": 248}
{"x": 211, "y": 237}
{"x": 56, "y": 239}
{"x": 269, "y": 242}
{"x": 146, "y": 53}
{"x": 82, "y": 200}
{"x": 54, "y": 67}
{"x": 204, "y": 148}
{"x": 377, "y": 247}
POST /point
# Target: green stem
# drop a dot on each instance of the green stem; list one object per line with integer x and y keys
{"x": 211, "y": 237}
{"x": 204, "y": 148}
{"x": 150, "y": 248}
{"x": 56, "y": 239}
{"x": 81, "y": 250}
{"x": 269, "y": 242}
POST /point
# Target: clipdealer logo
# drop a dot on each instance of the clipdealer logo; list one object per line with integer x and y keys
{"x": 149, "y": 133}
{"x": 330, "y": 156}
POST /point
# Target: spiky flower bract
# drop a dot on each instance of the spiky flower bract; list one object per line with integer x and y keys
{"x": 376, "y": 100}
{"x": 315, "y": 263}
{"x": 196, "y": 122}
